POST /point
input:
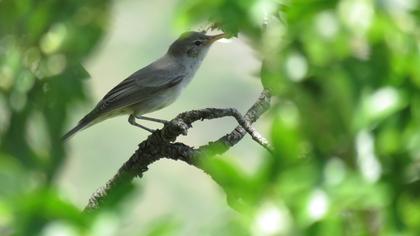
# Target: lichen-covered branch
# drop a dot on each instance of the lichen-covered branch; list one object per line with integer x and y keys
{"x": 160, "y": 144}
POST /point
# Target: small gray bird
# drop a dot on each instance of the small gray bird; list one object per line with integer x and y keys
{"x": 154, "y": 86}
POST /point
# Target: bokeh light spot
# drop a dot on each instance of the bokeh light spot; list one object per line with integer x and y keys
{"x": 271, "y": 220}
{"x": 356, "y": 14}
{"x": 382, "y": 103}
{"x": 59, "y": 229}
{"x": 318, "y": 205}
{"x": 53, "y": 39}
{"x": 366, "y": 158}
{"x": 327, "y": 25}
{"x": 296, "y": 67}
{"x": 334, "y": 171}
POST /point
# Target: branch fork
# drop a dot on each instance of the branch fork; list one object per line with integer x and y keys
{"x": 161, "y": 144}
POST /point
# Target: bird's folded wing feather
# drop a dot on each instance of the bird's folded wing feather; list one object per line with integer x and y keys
{"x": 140, "y": 86}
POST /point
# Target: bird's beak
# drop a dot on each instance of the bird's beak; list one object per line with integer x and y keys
{"x": 214, "y": 38}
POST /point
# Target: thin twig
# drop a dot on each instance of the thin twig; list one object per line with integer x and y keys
{"x": 253, "y": 114}
{"x": 244, "y": 124}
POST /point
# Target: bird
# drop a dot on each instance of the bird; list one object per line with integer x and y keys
{"x": 152, "y": 87}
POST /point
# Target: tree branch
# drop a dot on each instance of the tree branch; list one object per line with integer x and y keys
{"x": 160, "y": 144}
{"x": 253, "y": 114}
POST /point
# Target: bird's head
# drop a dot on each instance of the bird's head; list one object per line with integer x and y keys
{"x": 193, "y": 44}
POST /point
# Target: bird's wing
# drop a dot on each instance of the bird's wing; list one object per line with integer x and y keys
{"x": 140, "y": 86}
{"x": 131, "y": 91}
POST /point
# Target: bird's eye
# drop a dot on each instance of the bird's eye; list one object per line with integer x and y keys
{"x": 198, "y": 42}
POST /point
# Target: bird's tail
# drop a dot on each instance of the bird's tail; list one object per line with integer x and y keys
{"x": 69, "y": 134}
{"x": 87, "y": 121}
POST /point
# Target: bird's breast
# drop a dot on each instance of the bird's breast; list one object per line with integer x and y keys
{"x": 158, "y": 101}
{"x": 191, "y": 68}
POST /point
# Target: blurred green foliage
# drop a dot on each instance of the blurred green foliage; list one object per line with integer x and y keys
{"x": 345, "y": 128}
{"x": 42, "y": 44}
{"x": 346, "y": 115}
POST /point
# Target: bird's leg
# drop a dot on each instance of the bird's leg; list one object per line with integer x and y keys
{"x": 151, "y": 119}
{"x": 132, "y": 121}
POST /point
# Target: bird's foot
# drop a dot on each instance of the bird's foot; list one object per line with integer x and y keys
{"x": 152, "y": 119}
{"x": 132, "y": 121}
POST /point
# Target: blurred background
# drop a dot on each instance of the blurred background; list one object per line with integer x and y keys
{"x": 344, "y": 122}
